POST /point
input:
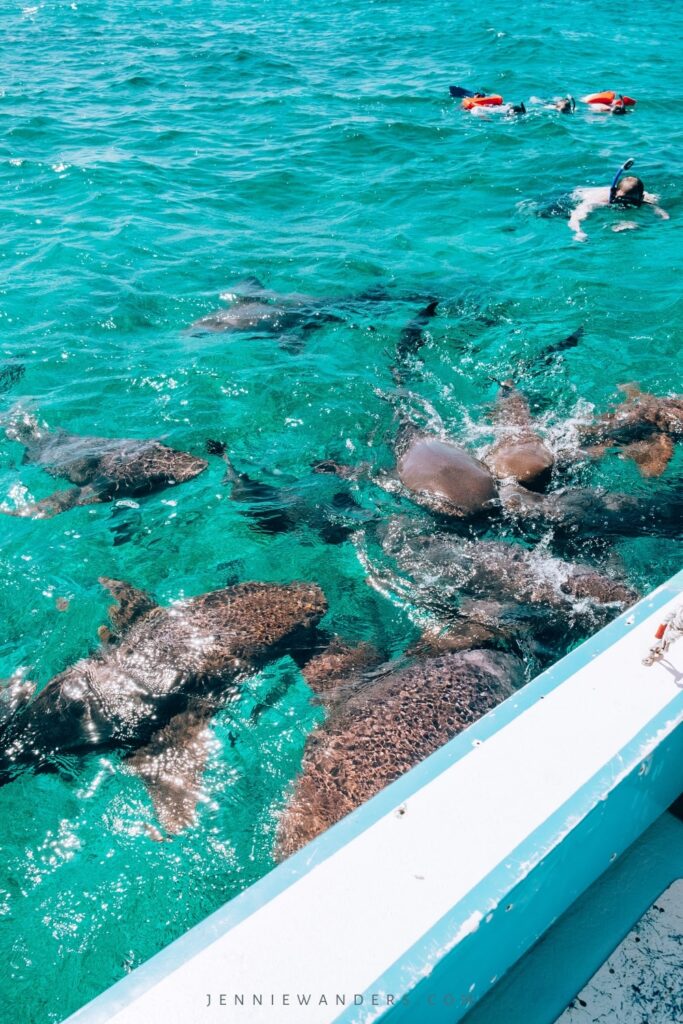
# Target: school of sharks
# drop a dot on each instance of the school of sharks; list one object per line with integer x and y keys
{"x": 490, "y": 591}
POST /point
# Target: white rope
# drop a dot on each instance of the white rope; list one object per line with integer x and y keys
{"x": 670, "y": 630}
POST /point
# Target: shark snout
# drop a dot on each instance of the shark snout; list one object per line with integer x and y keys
{"x": 188, "y": 466}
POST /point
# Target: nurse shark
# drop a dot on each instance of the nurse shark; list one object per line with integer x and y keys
{"x": 101, "y": 468}
{"x": 153, "y": 686}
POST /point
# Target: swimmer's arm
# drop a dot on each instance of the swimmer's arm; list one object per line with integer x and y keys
{"x": 578, "y": 216}
{"x": 651, "y": 200}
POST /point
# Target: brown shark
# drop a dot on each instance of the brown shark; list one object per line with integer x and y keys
{"x": 519, "y": 451}
{"x": 101, "y": 468}
{"x": 502, "y": 571}
{"x": 645, "y": 426}
{"x": 386, "y": 727}
{"x": 154, "y": 685}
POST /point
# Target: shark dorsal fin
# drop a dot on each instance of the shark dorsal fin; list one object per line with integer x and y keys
{"x": 245, "y": 291}
{"x": 131, "y": 603}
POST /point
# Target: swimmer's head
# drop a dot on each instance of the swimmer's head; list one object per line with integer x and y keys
{"x": 629, "y": 191}
{"x": 618, "y": 108}
{"x": 564, "y": 105}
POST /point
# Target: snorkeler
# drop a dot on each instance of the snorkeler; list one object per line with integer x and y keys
{"x": 480, "y": 102}
{"x": 609, "y": 102}
{"x": 563, "y": 104}
{"x": 624, "y": 192}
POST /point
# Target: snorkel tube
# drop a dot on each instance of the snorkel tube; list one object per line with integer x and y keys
{"x": 615, "y": 181}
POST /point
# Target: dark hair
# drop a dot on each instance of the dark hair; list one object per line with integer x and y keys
{"x": 629, "y": 191}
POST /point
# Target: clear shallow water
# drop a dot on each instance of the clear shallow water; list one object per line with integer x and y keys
{"x": 150, "y": 159}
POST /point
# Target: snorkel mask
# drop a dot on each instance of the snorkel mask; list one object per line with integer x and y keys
{"x": 613, "y": 197}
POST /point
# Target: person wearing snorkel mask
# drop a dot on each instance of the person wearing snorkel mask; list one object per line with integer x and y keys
{"x": 626, "y": 192}
{"x": 482, "y": 104}
{"x": 562, "y": 104}
{"x": 565, "y": 104}
{"x": 609, "y": 102}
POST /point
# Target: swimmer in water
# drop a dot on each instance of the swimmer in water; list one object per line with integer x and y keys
{"x": 508, "y": 109}
{"x": 479, "y": 103}
{"x": 625, "y": 192}
{"x": 609, "y": 102}
{"x": 562, "y": 104}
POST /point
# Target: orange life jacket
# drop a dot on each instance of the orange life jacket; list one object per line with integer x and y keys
{"x": 481, "y": 101}
{"x": 608, "y": 97}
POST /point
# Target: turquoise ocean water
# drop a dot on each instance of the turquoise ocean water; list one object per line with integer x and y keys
{"x": 151, "y": 155}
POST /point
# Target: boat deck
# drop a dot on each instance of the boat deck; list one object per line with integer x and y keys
{"x": 643, "y": 978}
